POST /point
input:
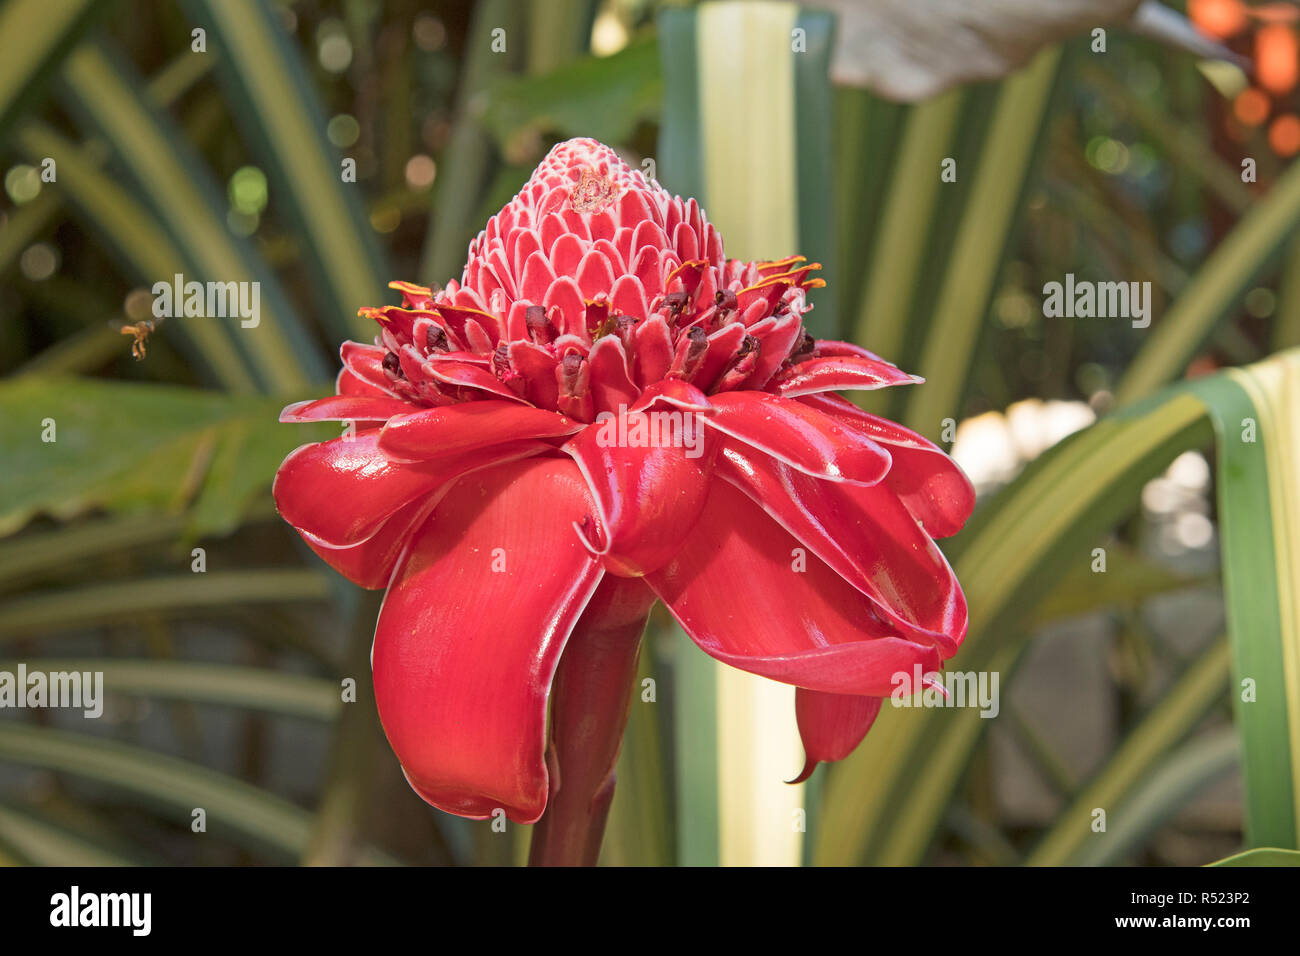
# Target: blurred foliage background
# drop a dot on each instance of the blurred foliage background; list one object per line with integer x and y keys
{"x": 143, "y": 542}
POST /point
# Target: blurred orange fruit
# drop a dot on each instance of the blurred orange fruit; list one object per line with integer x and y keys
{"x": 1284, "y": 135}
{"x": 1277, "y": 58}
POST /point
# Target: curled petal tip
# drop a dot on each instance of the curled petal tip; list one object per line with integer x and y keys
{"x": 936, "y": 683}
{"x": 809, "y": 766}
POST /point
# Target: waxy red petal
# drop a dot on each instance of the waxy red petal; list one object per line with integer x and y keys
{"x": 470, "y": 633}
{"x": 469, "y": 376}
{"x": 457, "y": 429}
{"x": 735, "y": 588}
{"x": 366, "y": 363}
{"x": 348, "y": 383}
{"x": 370, "y": 564}
{"x": 344, "y": 408}
{"x": 867, "y": 536}
{"x": 611, "y": 382}
{"x": 832, "y": 373}
{"x": 341, "y": 491}
{"x": 929, "y": 483}
{"x": 831, "y": 725}
{"x": 799, "y": 435}
{"x": 648, "y": 496}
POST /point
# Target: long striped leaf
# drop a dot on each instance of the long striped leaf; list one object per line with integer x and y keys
{"x": 273, "y": 100}
{"x": 885, "y": 802}
{"x": 251, "y": 688}
{"x": 738, "y": 80}
{"x": 1256, "y": 413}
{"x": 172, "y": 179}
{"x": 235, "y": 810}
{"x": 40, "y": 33}
{"x": 1215, "y": 288}
{"x": 137, "y": 238}
{"x": 987, "y": 220}
{"x": 465, "y": 167}
{"x": 1072, "y": 838}
{"x": 41, "y": 843}
{"x": 212, "y": 592}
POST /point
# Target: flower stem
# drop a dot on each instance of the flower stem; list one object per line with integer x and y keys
{"x": 590, "y": 698}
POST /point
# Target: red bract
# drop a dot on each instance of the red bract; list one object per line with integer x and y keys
{"x": 603, "y": 411}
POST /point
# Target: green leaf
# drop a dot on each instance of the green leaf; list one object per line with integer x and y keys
{"x": 1163, "y": 790}
{"x": 212, "y": 592}
{"x": 733, "y": 138}
{"x": 137, "y": 447}
{"x": 1256, "y": 413}
{"x": 275, "y": 102}
{"x": 894, "y": 271}
{"x": 41, "y": 33}
{"x": 41, "y": 843}
{"x": 987, "y": 220}
{"x": 1071, "y": 837}
{"x": 172, "y": 178}
{"x": 1130, "y": 579}
{"x": 601, "y": 97}
{"x": 884, "y": 803}
{"x": 250, "y": 688}
{"x": 1215, "y": 288}
{"x": 137, "y": 238}
{"x": 1265, "y": 856}
{"x": 235, "y": 810}
{"x": 465, "y": 166}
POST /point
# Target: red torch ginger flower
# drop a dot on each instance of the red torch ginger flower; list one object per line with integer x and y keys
{"x": 603, "y": 411}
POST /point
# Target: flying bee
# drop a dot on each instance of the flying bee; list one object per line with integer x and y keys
{"x": 141, "y": 331}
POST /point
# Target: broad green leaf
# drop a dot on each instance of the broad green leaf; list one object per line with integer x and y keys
{"x": 866, "y": 131}
{"x": 1130, "y": 579}
{"x": 137, "y": 447}
{"x": 905, "y": 224}
{"x": 601, "y": 97}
